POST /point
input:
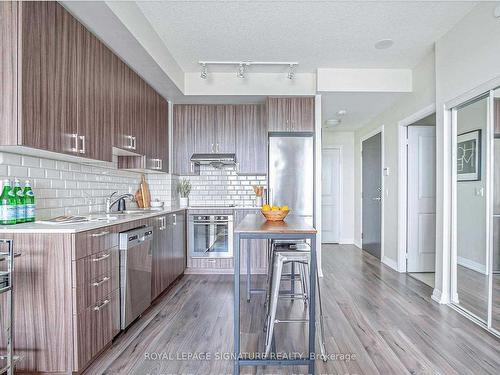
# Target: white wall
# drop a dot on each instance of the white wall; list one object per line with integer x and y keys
{"x": 466, "y": 57}
{"x": 422, "y": 96}
{"x": 346, "y": 140}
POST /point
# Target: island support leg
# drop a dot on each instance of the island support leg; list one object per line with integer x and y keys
{"x": 312, "y": 305}
{"x": 236, "y": 320}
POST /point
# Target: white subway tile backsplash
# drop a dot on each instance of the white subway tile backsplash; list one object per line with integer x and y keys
{"x": 9, "y": 159}
{"x": 36, "y": 173}
{"x": 221, "y": 186}
{"x": 16, "y": 171}
{"x": 29, "y": 161}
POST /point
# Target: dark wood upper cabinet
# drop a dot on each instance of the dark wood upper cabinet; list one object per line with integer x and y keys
{"x": 38, "y": 76}
{"x": 94, "y": 119}
{"x": 251, "y": 139}
{"x": 203, "y": 124}
{"x": 183, "y": 136}
{"x": 76, "y": 96}
{"x": 225, "y": 129}
{"x": 293, "y": 114}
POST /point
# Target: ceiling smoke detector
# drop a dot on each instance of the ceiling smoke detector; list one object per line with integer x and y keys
{"x": 384, "y": 44}
{"x": 332, "y": 122}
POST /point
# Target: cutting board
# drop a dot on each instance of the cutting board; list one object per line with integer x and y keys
{"x": 144, "y": 193}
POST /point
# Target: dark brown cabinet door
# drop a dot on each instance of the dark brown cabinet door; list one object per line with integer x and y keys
{"x": 204, "y": 128}
{"x": 162, "y": 139}
{"x": 38, "y": 46}
{"x": 302, "y": 114}
{"x": 278, "y": 114}
{"x": 251, "y": 139}
{"x": 158, "y": 256}
{"x": 290, "y": 114}
{"x": 183, "y": 138}
{"x": 179, "y": 243}
{"x": 225, "y": 140}
{"x": 94, "y": 120}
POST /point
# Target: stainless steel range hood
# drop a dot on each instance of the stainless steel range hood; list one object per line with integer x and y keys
{"x": 215, "y": 160}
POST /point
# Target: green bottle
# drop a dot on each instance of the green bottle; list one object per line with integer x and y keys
{"x": 29, "y": 201}
{"x": 8, "y": 209}
{"x": 20, "y": 205}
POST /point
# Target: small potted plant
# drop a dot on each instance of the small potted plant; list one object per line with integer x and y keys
{"x": 184, "y": 188}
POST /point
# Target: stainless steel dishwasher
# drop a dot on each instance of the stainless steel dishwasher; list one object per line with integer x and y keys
{"x": 135, "y": 273}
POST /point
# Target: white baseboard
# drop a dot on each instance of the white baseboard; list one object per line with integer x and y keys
{"x": 346, "y": 241}
{"x": 390, "y": 262}
{"x": 470, "y": 264}
{"x": 439, "y": 297}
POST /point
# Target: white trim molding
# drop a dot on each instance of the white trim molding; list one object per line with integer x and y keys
{"x": 390, "y": 263}
{"x": 317, "y": 179}
{"x": 472, "y": 265}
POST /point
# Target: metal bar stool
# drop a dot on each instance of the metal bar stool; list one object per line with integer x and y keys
{"x": 299, "y": 254}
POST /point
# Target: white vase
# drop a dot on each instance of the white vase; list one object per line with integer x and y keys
{"x": 184, "y": 202}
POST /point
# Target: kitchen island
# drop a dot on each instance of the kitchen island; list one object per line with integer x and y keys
{"x": 255, "y": 226}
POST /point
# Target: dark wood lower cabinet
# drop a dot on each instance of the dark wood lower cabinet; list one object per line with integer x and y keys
{"x": 67, "y": 291}
{"x": 169, "y": 251}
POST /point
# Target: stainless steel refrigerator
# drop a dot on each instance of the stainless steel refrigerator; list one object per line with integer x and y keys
{"x": 291, "y": 172}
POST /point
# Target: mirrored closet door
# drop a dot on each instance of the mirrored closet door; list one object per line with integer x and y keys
{"x": 471, "y": 235}
{"x": 476, "y": 209}
{"x": 495, "y": 259}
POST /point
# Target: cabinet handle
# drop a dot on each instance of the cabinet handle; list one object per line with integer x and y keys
{"x": 83, "y": 150}
{"x": 129, "y": 141}
{"x": 100, "y": 234}
{"x": 175, "y": 219}
{"x": 99, "y": 307}
{"x": 191, "y": 167}
{"x": 98, "y": 259}
{"x": 212, "y": 148}
{"x": 133, "y": 143}
{"x": 74, "y": 138}
{"x": 217, "y": 147}
{"x": 103, "y": 280}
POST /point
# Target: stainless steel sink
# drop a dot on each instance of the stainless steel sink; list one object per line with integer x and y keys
{"x": 101, "y": 217}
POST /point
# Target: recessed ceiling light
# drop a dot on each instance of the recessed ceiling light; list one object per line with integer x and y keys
{"x": 384, "y": 44}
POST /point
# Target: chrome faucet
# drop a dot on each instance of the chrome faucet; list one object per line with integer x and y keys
{"x": 110, "y": 202}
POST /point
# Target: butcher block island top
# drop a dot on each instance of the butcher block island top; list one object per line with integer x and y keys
{"x": 256, "y": 223}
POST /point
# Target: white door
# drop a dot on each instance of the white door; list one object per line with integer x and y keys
{"x": 330, "y": 198}
{"x": 421, "y": 238}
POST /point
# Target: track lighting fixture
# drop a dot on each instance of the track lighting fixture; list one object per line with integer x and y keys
{"x": 204, "y": 71}
{"x": 243, "y": 66}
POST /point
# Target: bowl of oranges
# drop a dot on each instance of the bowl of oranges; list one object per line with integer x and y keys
{"x": 274, "y": 213}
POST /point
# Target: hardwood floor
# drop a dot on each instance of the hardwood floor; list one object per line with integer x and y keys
{"x": 387, "y": 320}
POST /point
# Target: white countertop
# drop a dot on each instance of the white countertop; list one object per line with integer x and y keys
{"x": 40, "y": 227}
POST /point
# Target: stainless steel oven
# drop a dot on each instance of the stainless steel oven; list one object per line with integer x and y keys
{"x": 210, "y": 236}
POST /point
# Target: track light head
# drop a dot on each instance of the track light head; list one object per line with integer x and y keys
{"x": 291, "y": 72}
{"x": 204, "y": 71}
{"x": 241, "y": 71}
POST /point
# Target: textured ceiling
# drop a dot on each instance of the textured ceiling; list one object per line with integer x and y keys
{"x": 361, "y": 107}
{"x": 318, "y": 34}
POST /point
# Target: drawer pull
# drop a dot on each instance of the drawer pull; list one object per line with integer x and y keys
{"x": 104, "y": 279}
{"x": 100, "y": 234}
{"x": 97, "y": 308}
{"x": 98, "y": 259}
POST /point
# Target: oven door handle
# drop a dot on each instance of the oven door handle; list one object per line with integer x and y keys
{"x": 209, "y": 222}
